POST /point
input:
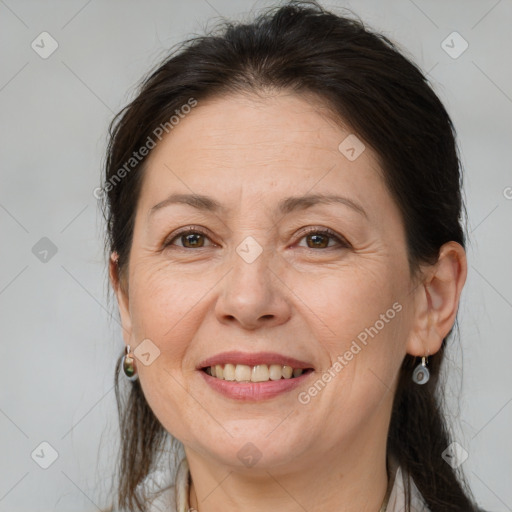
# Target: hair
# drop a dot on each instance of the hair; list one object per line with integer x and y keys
{"x": 369, "y": 85}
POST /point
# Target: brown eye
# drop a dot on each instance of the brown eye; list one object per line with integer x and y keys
{"x": 190, "y": 239}
{"x": 320, "y": 238}
{"x": 193, "y": 239}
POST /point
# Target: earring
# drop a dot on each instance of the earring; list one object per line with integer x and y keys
{"x": 129, "y": 365}
{"x": 421, "y": 375}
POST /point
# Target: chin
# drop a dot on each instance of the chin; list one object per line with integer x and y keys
{"x": 257, "y": 446}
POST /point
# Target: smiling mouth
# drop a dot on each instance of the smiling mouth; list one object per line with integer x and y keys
{"x": 257, "y": 373}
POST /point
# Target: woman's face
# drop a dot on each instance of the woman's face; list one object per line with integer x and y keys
{"x": 255, "y": 281}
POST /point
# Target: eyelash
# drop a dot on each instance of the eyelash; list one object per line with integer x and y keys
{"x": 342, "y": 242}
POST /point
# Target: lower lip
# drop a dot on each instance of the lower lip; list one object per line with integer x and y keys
{"x": 254, "y": 391}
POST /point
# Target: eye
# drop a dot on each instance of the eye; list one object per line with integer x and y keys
{"x": 319, "y": 238}
{"x": 191, "y": 238}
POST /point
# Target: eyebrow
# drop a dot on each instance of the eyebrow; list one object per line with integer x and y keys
{"x": 285, "y": 206}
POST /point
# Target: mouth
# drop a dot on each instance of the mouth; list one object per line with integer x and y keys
{"x": 254, "y": 376}
{"x": 254, "y": 373}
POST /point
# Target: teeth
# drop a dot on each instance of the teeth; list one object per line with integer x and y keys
{"x": 229, "y": 372}
{"x": 287, "y": 372}
{"x": 258, "y": 373}
{"x": 275, "y": 371}
{"x": 242, "y": 372}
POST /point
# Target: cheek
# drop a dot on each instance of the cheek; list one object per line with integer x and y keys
{"x": 356, "y": 316}
{"x": 162, "y": 307}
{"x": 169, "y": 401}
{"x": 163, "y": 300}
{"x": 349, "y": 300}
{"x": 357, "y": 319}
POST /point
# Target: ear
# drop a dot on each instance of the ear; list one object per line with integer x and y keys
{"x": 121, "y": 291}
{"x": 436, "y": 300}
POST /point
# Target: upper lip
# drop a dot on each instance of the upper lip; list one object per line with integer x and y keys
{"x": 253, "y": 359}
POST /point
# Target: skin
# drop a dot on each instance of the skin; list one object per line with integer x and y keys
{"x": 248, "y": 153}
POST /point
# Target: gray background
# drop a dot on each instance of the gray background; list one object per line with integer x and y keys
{"x": 59, "y": 343}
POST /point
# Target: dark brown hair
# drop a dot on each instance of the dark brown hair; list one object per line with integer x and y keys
{"x": 386, "y": 100}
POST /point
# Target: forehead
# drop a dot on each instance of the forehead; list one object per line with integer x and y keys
{"x": 259, "y": 147}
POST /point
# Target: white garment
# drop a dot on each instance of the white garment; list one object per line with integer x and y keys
{"x": 175, "y": 498}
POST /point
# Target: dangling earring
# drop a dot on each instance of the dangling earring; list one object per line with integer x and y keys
{"x": 421, "y": 375}
{"x": 129, "y": 365}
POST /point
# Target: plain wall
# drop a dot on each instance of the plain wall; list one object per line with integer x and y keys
{"x": 59, "y": 344}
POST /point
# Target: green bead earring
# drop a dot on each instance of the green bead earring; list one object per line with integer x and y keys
{"x": 129, "y": 365}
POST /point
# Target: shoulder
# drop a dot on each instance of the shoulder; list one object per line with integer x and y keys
{"x": 174, "y": 498}
{"x": 396, "y": 501}
{"x": 165, "y": 501}
{"x": 162, "y": 493}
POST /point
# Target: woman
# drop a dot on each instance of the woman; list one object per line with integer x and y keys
{"x": 283, "y": 205}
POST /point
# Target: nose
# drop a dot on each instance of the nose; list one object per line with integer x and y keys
{"x": 254, "y": 294}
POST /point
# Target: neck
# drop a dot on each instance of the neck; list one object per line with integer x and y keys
{"x": 351, "y": 478}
